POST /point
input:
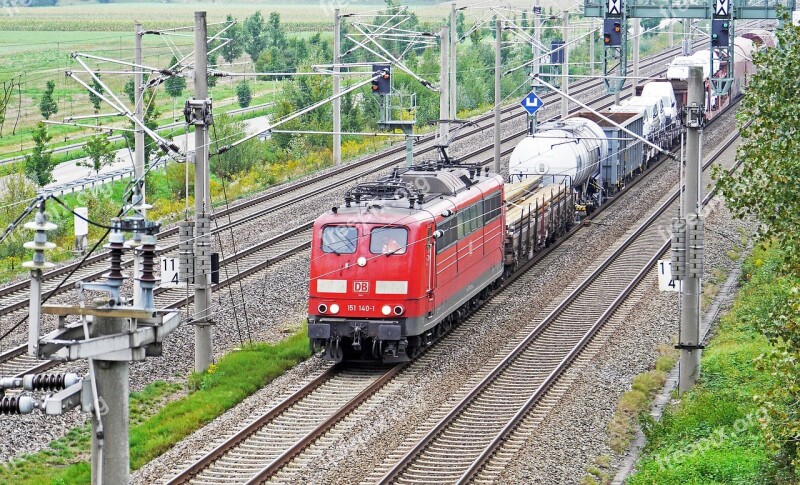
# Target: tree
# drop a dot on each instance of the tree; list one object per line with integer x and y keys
{"x": 130, "y": 90}
{"x": 212, "y": 80}
{"x": 39, "y": 164}
{"x": 476, "y": 35}
{"x": 238, "y": 159}
{"x": 174, "y": 85}
{"x": 767, "y": 185}
{"x": 95, "y": 99}
{"x": 243, "y": 94}
{"x": 234, "y": 48}
{"x": 99, "y": 153}
{"x": 460, "y": 24}
{"x": 767, "y": 188}
{"x": 48, "y": 106}
{"x": 277, "y": 37}
{"x": 14, "y": 188}
{"x": 151, "y": 114}
{"x": 255, "y": 40}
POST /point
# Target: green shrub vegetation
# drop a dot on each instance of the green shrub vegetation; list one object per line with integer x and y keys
{"x": 634, "y": 404}
{"x": 717, "y": 433}
{"x": 158, "y": 419}
{"x": 766, "y": 187}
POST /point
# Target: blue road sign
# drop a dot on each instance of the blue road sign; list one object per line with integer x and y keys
{"x": 531, "y": 103}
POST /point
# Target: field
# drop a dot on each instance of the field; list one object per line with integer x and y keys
{"x": 36, "y": 44}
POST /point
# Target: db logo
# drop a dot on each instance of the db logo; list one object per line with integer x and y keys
{"x": 360, "y": 286}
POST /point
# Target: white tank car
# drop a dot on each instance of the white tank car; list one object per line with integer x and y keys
{"x": 567, "y": 150}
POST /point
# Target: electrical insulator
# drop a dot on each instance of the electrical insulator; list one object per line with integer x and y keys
{"x": 39, "y": 243}
{"x": 17, "y": 405}
{"x": 678, "y": 249}
{"x": 49, "y": 382}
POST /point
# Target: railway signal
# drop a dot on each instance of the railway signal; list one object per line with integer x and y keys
{"x": 382, "y": 83}
{"x": 617, "y": 12}
{"x": 720, "y": 32}
{"x": 612, "y": 32}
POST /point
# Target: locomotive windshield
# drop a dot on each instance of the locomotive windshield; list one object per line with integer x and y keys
{"x": 388, "y": 240}
{"x": 339, "y": 239}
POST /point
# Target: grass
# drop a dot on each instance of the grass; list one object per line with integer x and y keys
{"x": 103, "y": 202}
{"x": 713, "y": 434}
{"x": 158, "y": 421}
{"x": 634, "y": 404}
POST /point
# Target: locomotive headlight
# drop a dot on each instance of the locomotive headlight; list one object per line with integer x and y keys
{"x": 398, "y": 310}
{"x": 334, "y": 308}
{"x": 322, "y": 308}
{"x": 386, "y": 310}
{"x": 362, "y": 261}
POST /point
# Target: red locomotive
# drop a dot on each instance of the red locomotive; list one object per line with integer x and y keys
{"x": 404, "y": 258}
{"x": 411, "y": 255}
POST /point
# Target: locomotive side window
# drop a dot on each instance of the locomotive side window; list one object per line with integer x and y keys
{"x": 468, "y": 220}
{"x": 388, "y": 240}
{"x": 476, "y": 221}
{"x": 449, "y": 234}
{"x": 339, "y": 239}
{"x": 491, "y": 207}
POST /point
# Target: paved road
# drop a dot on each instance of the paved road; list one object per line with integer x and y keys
{"x": 71, "y": 173}
{"x": 252, "y": 126}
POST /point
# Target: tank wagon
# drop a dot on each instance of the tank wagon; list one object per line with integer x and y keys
{"x": 407, "y": 257}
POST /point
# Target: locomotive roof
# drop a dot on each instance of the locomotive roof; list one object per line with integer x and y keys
{"x": 411, "y": 194}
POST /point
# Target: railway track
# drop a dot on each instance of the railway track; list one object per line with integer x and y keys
{"x": 272, "y": 440}
{"x": 461, "y": 447}
{"x": 241, "y": 459}
{"x": 238, "y": 267}
{"x": 14, "y": 297}
{"x": 243, "y": 264}
{"x": 171, "y": 298}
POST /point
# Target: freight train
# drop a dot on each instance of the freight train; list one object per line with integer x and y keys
{"x": 407, "y": 257}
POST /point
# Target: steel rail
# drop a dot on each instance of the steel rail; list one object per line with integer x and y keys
{"x": 484, "y": 384}
{"x": 607, "y": 314}
{"x": 55, "y": 273}
{"x": 287, "y": 456}
{"x": 240, "y": 437}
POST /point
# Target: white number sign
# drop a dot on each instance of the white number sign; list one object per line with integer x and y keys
{"x": 169, "y": 271}
{"x": 665, "y": 281}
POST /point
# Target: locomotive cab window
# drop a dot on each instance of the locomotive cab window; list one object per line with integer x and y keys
{"x": 339, "y": 239}
{"x": 388, "y": 240}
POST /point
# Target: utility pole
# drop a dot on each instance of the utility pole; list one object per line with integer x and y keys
{"x": 138, "y": 88}
{"x": 565, "y": 68}
{"x": 453, "y": 73}
{"x": 689, "y": 342}
{"x": 203, "y": 351}
{"x": 637, "y": 30}
{"x": 671, "y": 36}
{"x": 498, "y": 59}
{"x": 138, "y": 144}
{"x": 686, "y": 45}
{"x": 110, "y": 448}
{"x": 444, "y": 88}
{"x": 591, "y": 47}
{"x": 537, "y": 52}
{"x": 337, "y": 102}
